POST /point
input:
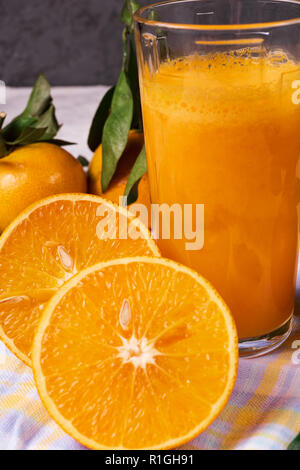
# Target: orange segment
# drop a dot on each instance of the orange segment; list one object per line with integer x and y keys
{"x": 135, "y": 353}
{"x": 47, "y": 245}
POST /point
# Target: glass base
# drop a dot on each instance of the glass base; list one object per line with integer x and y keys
{"x": 253, "y": 347}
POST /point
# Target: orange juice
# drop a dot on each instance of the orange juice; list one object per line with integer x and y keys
{"x": 223, "y": 130}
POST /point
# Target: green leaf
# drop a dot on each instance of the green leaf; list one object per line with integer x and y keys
{"x": 138, "y": 171}
{"x": 83, "y": 161}
{"x": 116, "y": 129}
{"x": 59, "y": 142}
{"x": 37, "y": 123}
{"x": 28, "y": 136}
{"x": 49, "y": 122}
{"x": 120, "y": 109}
{"x": 129, "y": 9}
{"x": 102, "y": 113}
{"x": 39, "y": 101}
{"x": 13, "y": 130}
{"x": 40, "y": 97}
{"x": 3, "y": 148}
{"x": 133, "y": 78}
{"x": 295, "y": 445}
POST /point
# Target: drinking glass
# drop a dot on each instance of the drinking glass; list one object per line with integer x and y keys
{"x": 220, "y": 91}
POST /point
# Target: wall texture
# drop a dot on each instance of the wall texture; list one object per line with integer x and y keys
{"x": 74, "y": 42}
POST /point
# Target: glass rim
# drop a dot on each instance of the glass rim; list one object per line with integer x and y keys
{"x": 213, "y": 27}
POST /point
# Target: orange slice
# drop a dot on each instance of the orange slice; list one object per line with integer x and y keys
{"x": 48, "y": 244}
{"x": 135, "y": 353}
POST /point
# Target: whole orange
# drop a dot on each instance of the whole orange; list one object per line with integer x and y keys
{"x": 33, "y": 172}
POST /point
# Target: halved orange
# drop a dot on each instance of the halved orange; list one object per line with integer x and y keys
{"x": 48, "y": 244}
{"x": 135, "y": 353}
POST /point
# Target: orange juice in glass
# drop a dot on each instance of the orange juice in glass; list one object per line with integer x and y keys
{"x": 220, "y": 88}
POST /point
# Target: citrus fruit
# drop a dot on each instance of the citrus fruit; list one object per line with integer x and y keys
{"x": 49, "y": 243}
{"x": 34, "y": 172}
{"x": 135, "y": 353}
{"x": 118, "y": 184}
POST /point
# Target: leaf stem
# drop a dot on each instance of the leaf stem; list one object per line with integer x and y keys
{"x": 2, "y": 119}
{"x": 125, "y": 48}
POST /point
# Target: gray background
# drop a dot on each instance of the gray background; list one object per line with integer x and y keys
{"x": 74, "y": 42}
